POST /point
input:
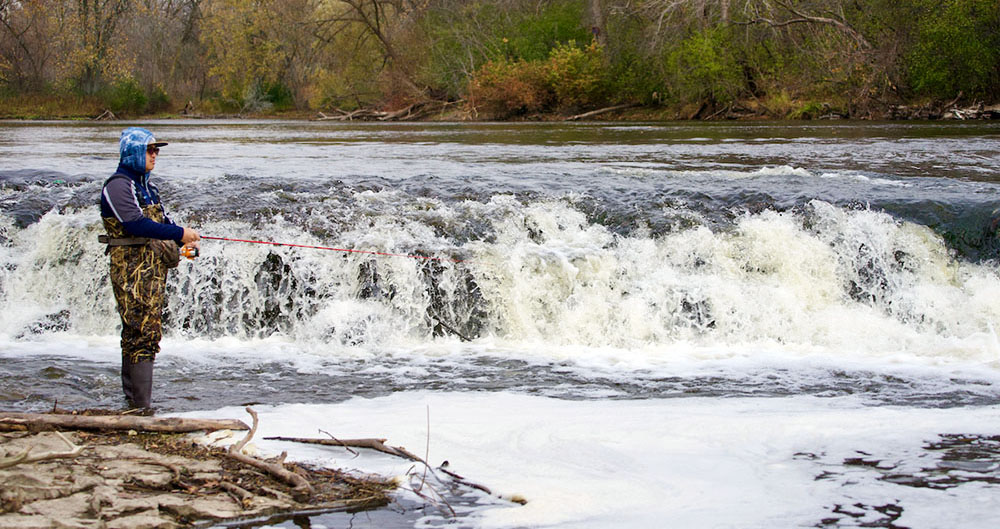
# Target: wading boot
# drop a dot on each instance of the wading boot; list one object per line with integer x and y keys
{"x": 137, "y": 382}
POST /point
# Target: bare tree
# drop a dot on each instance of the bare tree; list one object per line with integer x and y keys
{"x": 24, "y": 50}
{"x": 387, "y": 21}
{"x": 768, "y": 12}
{"x": 96, "y": 23}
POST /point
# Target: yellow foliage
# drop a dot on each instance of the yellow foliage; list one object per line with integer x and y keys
{"x": 241, "y": 46}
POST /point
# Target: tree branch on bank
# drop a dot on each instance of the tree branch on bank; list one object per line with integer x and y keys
{"x": 12, "y": 421}
{"x": 598, "y": 112}
{"x": 25, "y": 457}
{"x": 301, "y": 489}
{"x": 398, "y": 451}
{"x": 410, "y": 112}
{"x": 370, "y": 443}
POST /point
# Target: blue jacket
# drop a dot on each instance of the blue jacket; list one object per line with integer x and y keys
{"x": 123, "y": 198}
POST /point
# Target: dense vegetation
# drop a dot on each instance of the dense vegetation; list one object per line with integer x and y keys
{"x": 500, "y": 58}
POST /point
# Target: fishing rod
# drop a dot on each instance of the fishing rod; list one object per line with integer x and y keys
{"x": 347, "y": 250}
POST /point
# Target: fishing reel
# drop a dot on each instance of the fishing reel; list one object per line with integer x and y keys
{"x": 190, "y": 252}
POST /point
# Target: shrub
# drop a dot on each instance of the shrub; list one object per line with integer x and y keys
{"x": 463, "y": 36}
{"x": 702, "y": 67}
{"x": 503, "y": 89}
{"x": 158, "y": 100}
{"x": 577, "y": 76}
{"x": 125, "y": 97}
{"x": 278, "y": 95}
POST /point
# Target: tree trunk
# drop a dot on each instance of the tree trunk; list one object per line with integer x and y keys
{"x": 598, "y": 22}
{"x": 11, "y": 421}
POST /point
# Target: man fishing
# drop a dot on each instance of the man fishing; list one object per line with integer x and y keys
{"x": 142, "y": 243}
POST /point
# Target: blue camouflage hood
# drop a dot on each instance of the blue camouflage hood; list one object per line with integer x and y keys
{"x": 132, "y": 148}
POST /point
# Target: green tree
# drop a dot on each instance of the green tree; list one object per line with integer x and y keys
{"x": 956, "y": 49}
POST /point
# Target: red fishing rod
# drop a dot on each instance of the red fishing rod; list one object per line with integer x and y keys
{"x": 347, "y": 250}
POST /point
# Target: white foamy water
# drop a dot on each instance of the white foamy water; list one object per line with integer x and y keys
{"x": 856, "y": 284}
{"x": 686, "y": 463}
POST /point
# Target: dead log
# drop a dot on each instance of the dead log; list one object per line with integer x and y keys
{"x": 301, "y": 489}
{"x": 704, "y": 105}
{"x": 370, "y": 443}
{"x": 402, "y": 113}
{"x": 398, "y": 451}
{"x": 598, "y": 112}
{"x": 953, "y": 102}
{"x": 13, "y": 421}
{"x": 242, "y": 496}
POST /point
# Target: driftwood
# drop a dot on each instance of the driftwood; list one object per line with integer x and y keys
{"x": 977, "y": 110}
{"x": 342, "y": 115}
{"x": 414, "y": 111}
{"x": 598, "y": 112}
{"x": 302, "y": 490}
{"x": 25, "y": 457}
{"x": 398, "y": 451}
{"x": 107, "y": 115}
{"x": 370, "y": 443}
{"x": 11, "y": 421}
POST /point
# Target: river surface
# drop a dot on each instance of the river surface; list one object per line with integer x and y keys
{"x": 712, "y": 325}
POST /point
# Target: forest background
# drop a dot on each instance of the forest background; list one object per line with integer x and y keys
{"x": 496, "y": 59}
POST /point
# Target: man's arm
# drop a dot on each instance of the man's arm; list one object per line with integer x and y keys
{"x": 119, "y": 194}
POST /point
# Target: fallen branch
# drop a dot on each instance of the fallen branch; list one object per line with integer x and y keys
{"x": 238, "y": 447}
{"x": 347, "y": 116}
{"x": 462, "y": 481}
{"x": 339, "y": 441}
{"x": 598, "y": 112}
{"x": 398, "y": 451}
{"x": 724, "y": 109}
{"x": 24, "y": 457}
{"x": 242, "y": 496}
{"x": 370, "y": 443}
{"x": 402, "y": 113}
{"x": 410, "y": 112}
{"x": 11, "y": 421}
{"x": 301, "y": 489}
{"x": 953, "y": 101}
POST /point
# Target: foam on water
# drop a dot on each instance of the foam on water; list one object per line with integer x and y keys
{"x": 747, "y": 463}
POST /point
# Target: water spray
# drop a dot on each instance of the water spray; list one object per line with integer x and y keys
{"x": 347, "y": 250}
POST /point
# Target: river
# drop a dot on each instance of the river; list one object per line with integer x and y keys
{"x": 734, "y": 325}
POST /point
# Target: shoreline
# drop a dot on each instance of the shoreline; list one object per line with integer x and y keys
{"x": 132, "y": 479}
{"x": 433, "y": 111}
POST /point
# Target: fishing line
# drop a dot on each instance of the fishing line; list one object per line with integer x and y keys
{"x": 347, "y": 250}
{"x": 434, "y": 313}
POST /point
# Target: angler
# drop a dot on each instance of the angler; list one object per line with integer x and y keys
{"x": 142, "y": 243}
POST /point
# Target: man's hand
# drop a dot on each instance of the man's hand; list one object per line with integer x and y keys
{"x": 190, "y": 238}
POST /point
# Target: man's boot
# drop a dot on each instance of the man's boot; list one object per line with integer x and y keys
{"x": 127, "y": 380}
{"x": 137, "y": 382}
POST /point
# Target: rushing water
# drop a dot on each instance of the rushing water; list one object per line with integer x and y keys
{"x": 727, "y": 325}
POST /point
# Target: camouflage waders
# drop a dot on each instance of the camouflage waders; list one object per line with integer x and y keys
{"x": 138, "y": 278}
